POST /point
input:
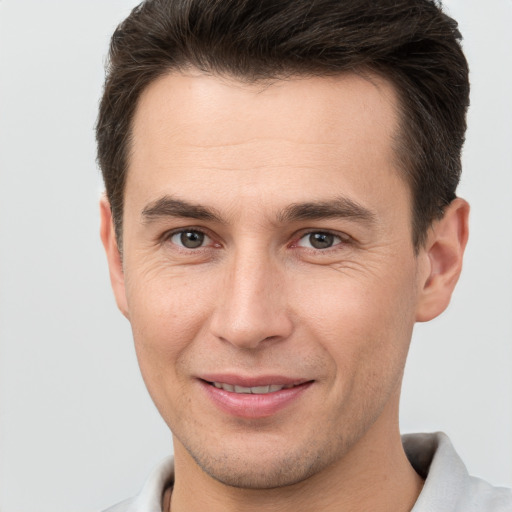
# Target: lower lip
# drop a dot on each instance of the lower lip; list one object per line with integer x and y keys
{"x": 246, "y": 405}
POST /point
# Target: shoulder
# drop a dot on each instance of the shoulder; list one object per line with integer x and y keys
{"x": 448, "y": 486}
{"x": 124, "y": 506}
{"x": 486, "y": 498}
{"x": 150, "y": 497}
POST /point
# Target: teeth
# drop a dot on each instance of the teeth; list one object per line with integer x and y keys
{"x": 256, "y": 390}
{"x": 241, "y": 389}
{"x": 260, "y": 390}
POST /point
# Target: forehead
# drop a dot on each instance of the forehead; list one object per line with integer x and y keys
{"x": 203, "y": 133}
{"x": 321, "y": 108}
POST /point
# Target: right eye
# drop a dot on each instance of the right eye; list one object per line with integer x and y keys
{"x": 190, "y": 239}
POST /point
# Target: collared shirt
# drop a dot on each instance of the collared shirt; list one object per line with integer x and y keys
{"x": 448, "y": 486}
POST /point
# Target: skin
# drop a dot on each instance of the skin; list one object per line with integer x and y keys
{"x": 257, "y": 298}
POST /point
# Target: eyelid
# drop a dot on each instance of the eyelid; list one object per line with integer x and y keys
{"x": 343, "y": 237}
{"x": 166, "y": 237}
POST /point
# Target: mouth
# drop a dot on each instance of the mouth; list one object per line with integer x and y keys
{"x": 254, "y": 390}
{"x": 254, "y": 398}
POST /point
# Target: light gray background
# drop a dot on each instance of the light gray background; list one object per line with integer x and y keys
{"x": 77, "y": 429}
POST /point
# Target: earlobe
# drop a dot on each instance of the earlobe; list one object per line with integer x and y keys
{"x": 443, "y": 254}
{"x": 115, "y": 265}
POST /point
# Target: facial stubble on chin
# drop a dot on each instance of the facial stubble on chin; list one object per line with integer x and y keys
{"x": 289, "y": 469}
{"x": 234, "y": 471}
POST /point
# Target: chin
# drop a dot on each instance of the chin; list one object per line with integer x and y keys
{"x": 244, "y": 475}
{"x": 265, "y": 469}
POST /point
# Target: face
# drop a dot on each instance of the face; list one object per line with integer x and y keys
{"x": 268, "y": 270}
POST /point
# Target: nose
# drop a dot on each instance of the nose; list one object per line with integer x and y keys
{"x": 251, "y": 309}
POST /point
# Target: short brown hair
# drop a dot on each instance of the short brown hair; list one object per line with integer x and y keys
{"x": 411, "y": 43}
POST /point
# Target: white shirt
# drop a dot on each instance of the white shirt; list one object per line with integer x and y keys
{"x": 448, "y": 486}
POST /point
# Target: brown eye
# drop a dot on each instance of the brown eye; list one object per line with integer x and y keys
{"x": 319, "y": 240}
{"x": 189, "y": 239}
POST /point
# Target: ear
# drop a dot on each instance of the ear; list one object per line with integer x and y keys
{"x": 442, "y": 254}
{"x": 115, "y": 263}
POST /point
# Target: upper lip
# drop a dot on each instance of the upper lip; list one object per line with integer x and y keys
{"x": 253, "y": 381}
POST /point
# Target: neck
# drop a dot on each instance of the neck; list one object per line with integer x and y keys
{"x": 374, "y": 475}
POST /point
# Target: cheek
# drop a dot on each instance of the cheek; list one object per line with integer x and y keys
{"x": 364, "y": 323}
{"x": 365, "y": 333}
{"x": 167, "y": 313}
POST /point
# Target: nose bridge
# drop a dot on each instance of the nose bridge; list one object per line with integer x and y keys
{"x": 251, "y": 306}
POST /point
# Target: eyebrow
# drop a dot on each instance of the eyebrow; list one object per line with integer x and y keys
{"x": 168, "y": 206}
{"x": 341, "y": 207}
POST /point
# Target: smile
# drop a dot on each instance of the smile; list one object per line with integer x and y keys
{"x": 255, "y": 390}
{"x": 253, "y": 398}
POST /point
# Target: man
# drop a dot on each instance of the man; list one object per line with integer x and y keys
{"x": 280, "y": 211}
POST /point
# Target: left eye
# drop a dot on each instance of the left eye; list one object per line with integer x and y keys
{"x": 319, "y": 240}
{"x": 190, "y": 239}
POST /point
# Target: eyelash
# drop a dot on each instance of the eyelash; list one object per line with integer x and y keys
{"x": 167, "y": 237}
{"x": 342, "y": 240}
